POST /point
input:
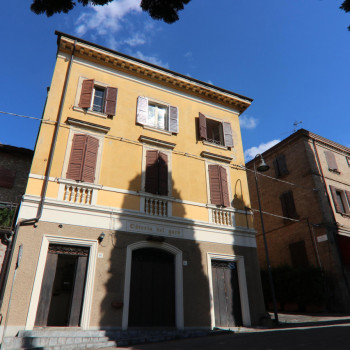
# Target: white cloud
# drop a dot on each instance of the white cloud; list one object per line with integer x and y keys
{"x": 151, "y": 59}
{"x": 210, "y": 82}
{"x": 135, "y": 40}
{"x": 250, "y": 153}
{"x": 106, "y": 19}
{"x": 248, "y": 122}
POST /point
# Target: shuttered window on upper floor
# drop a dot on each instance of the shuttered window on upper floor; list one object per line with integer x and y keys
{"x": 218, "y": 184}
{"x": 156, "y": 180}
{"x": 341, "y": 200}
{"x": 7, "y": 177}
{"x": 280, "y": 165}
{"x": 332, "y": 164}
{"x": 157, "y": 115}
{"x": 97, "y": 98}
{"x": 288, "y": 205}
{"x": 215, "y": 131}
{"x": 83, "y": 157}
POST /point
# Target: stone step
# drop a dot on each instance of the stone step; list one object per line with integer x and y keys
{"x": 61, "y": 333}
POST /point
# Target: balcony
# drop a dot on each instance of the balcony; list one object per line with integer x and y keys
{"x": 155, "y": 206}
{"x": 223, "y": 217}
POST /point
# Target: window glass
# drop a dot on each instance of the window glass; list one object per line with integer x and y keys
{"x": 157, "y": 116}
{"x": 214, "y": 132}
{"x": 98, "y": 99}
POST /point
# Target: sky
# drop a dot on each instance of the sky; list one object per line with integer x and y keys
{"x": 292, "y": 57}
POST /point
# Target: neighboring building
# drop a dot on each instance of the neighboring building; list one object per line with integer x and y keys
{"x": 319, "y": 235}
{"x": 143, "y": 221}
{"x": 15, "y": 164}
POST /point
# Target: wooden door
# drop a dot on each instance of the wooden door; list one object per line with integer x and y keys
{"x": 152, "y": 289}
{"x": 62, "y": 290}
{"x": 227, "y": 304}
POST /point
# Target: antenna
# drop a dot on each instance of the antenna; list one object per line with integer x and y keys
{"x": 296, "y": 123}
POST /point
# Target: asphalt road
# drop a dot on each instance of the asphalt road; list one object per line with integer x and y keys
{"x": 331, "y": 337}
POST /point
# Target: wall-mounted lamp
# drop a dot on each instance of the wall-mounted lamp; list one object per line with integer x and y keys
{"x": 101, "y": 237}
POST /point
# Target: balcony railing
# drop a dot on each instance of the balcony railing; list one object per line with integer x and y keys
{"x": 155, "y": 206}
{"x": 222, "y": 217}
{"x": 77, "y": 194}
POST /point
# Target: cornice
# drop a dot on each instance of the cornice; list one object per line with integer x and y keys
{"x": 144, "y": 70}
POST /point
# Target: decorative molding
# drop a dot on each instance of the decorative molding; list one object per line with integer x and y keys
{"x": 157, "y": 142}
{"x": 88, "y": 125}
{"x": 218, "y": 157}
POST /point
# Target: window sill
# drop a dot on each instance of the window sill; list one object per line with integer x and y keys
{"x": 90, "y": 112}
{"x": 334, "y": 171}
{"x": 165, "y": 132}
{"x": 345, "y": 215}
{"x": 215, "y": 145}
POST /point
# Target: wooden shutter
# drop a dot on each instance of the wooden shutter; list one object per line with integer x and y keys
{"x": 337, "y": 205}
{"x": 215, "y": 184}
{"x": 86, "y": 93}
{"x": 76, "y": 159}
{"x": 280, "y": 165}
{"x": 163, "y": 174}
{"x": 173, "y": 119}
{"x": 90, "y": 158}
{"x": 202, "y": 127}
{"x": 7, "y": 177}
{"x": 284, "y": 205}
{"x": 151, "y": 183}
{"x": 224, "y": 187}
{"x": 142, "y": 110}
{"x": 298, "y": 254}
{"x": 332, "y": 164}
{"x": 348, "y": 198}
{"x": 288, "y": 205}
{"x": 111, "y": 100}
{"x": 228, "y": 140}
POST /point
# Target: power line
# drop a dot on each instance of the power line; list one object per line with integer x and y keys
{"x": 19, "y": 115}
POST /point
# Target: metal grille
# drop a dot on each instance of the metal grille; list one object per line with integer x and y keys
{"x": 68, "y": 250}
{"x": 231, "y": 265}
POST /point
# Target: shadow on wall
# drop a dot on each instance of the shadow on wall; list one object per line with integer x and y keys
{"x": 155, "y": 287}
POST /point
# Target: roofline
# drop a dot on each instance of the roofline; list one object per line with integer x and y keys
{"x": 59, "y": 34}
{"x": 303, "y": 133}
{"x": 14, "y": 149}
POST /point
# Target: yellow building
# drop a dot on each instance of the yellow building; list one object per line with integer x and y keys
{"x": 135, "y": 213}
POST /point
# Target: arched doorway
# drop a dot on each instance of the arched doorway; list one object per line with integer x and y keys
{"x": 152, "y": 288}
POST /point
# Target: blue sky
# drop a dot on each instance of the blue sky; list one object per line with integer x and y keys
{"x": 291, "y": 57}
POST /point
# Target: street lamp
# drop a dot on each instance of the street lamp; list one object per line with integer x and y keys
{"x": 262, "y": 167}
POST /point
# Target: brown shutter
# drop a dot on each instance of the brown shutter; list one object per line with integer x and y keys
{"x": 151, "y": 183}
{"x": 7, "y": 177}
{"x": 276, "y": 166}
{"x": 284, "y": 204}
{"x": 292, "y": 213}
{"x": 215, "y": 184}
{"x": 202, "y": 127}
{"x": 142, "y": 110}
{"x": 348, "y": 198}
{"x": 90, "y": 158}
{"x": 224, "y": 187}
{"x": 226, "y": 127}
{"x": 86, "y": 93}
{"x": 173, "y": 119}
{"x": 332, "y": 164}
{"x": 280, "y": 165}
{"x": 163, "y": 174}
{"x": 111, "y": 100}
{"x": 337, "y": 205}
{"x": 76, "y": 159}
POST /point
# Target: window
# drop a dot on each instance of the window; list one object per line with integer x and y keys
{"x": 288, "y": 206}
{"x": 218, "y": 185}
{"x": 156, "y": 181}
{"x": 280, "y": 165}
{"x": 332, "y": 164}
{"x": 7, "y": 177}
{"x": 83, "y": 157}
{"x": 214, "y": 131}
{"x": 341, "y": 200}
{"x": 98, "y": 98}
{"x": 157, "y": 115}
{"x": 348, "y": 160}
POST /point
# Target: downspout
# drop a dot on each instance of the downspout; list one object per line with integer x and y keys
{"x": 13, "y": 237}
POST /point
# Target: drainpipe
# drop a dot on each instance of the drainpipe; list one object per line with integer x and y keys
{"x": 33, "y": 221}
